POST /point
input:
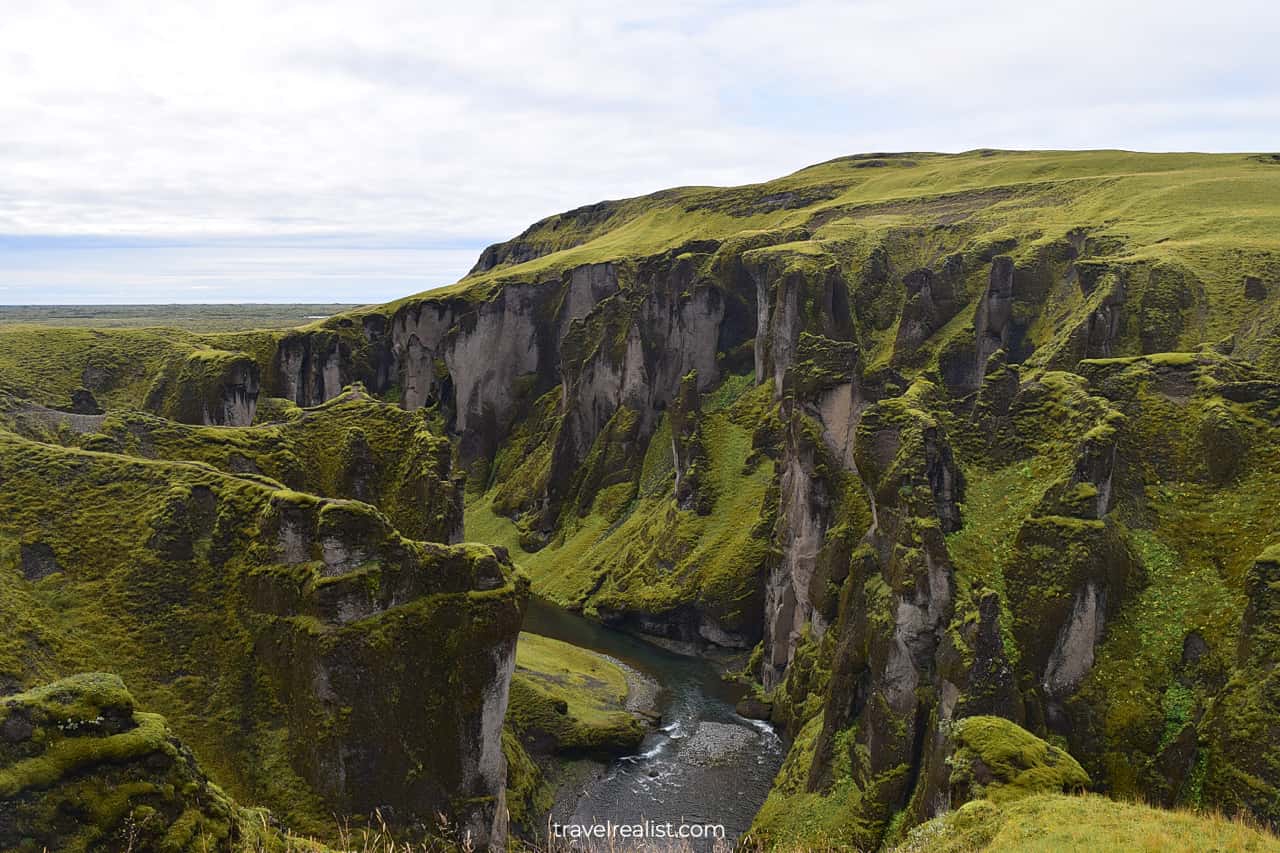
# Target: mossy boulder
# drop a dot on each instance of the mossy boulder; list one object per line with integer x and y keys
{"x": 998, "y": 760}
{"x": 82, "y": 769}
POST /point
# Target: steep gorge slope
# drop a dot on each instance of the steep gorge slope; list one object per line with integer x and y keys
{"x": 935, "y": 436}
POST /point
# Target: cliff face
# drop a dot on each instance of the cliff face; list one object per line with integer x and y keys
{"x": 478, "y": 360}
{"x": 207, "y": 387}
{"x": 408, "y": 745}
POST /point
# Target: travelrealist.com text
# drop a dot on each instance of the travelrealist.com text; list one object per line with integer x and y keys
{"x": 643, "y": 829}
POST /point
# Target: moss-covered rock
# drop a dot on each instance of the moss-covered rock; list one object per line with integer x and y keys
{"x": 82, "y": 769}
{"x": 998, "y": 760}
{"x": 567, "y": 700}
{"x": 207, "y": 386}
{"x": 692, "y": 488}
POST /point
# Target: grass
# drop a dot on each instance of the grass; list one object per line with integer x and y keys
{"x": 593, "y": 687}
{"x": 1058, "y": 823}
{"x": 46, "y": 365}
{"x": 119, "y": 366}
{"x": 576, "y": 667}
{"x": 996, "y": 504}
{"x": 1192, "y": 207}
{"x": 190, "y": 318}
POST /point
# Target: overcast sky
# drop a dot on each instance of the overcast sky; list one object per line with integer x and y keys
{"x": 359, "y": 151}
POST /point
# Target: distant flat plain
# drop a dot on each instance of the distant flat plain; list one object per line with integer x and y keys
{"x": 195, "y": 318}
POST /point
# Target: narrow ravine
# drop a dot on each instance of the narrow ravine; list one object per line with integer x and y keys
{"x": 704, "y": 764}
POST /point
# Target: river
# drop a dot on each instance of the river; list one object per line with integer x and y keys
{"x": 704, "y": 764}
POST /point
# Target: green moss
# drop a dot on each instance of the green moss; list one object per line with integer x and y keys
{"x": 529, "y": 796}
{"x": 801, "y": 696}
{"x": 81, "y": 769}
{"x": 636, "y": 550}
{"x": 998, "y": 760}
{"x": 70, "y": 755}
{"x": 522, "y": 467}
{"x": 118, "y": 366}
{"x": 1054, "y": 822}
{"x": 350, "y": 447}
{"x": 794, "y": 817}
{"x": 193, "y": 387}
{"x": 821, "y": 363}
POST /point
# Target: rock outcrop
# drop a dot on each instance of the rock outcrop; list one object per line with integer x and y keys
{"x": 633, "y": 353}
{"x": 997, "y": 760}
{"x": 804, "y": 515}
{"x": 688, "y": 450}
{"x": 207, "y": 387}
{"x": 82, "y": 768}
{"x": 366, "y": 749}
{"x": 795, "y": 293}
{"x": 992, "y": 323}
{"x": 350, "y": 447}
{"x": 933, "y": 299}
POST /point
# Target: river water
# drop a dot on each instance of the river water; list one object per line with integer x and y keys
{"x": 704, "y": 764}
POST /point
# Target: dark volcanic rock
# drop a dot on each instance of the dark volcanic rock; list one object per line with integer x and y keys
{"x": 84, "y": 403}
{"x": 38, "y": 561}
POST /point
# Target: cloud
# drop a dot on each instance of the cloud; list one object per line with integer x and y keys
{"x": 463, "y": 123}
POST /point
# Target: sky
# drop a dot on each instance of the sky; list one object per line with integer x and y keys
{"x": 361, "y": 151}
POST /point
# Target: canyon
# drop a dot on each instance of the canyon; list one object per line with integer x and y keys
{"x": 913, "y": 440}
